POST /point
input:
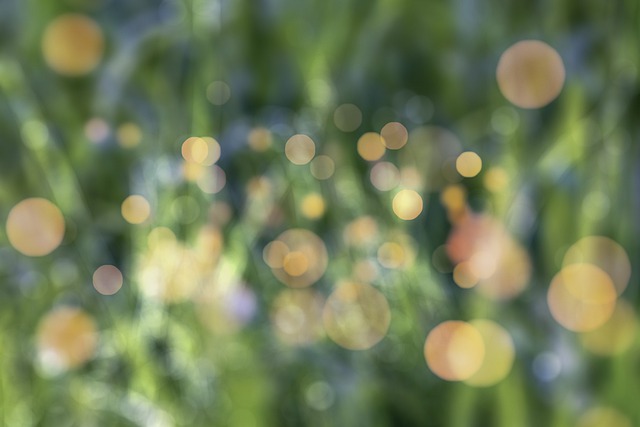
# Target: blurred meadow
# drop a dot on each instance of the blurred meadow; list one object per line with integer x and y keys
{"x": 321, "y": 213}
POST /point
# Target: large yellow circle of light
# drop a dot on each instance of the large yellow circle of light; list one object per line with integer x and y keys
{"x": 72, "y": 45}
{"x": 530, "y": 74}
{"x": 35, "y": 227}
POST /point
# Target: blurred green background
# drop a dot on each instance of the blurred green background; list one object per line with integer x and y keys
{"x": 200, "y": 334}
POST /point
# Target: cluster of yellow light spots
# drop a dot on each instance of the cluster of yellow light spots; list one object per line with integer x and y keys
{"x": 371, "y": 146}
{"x": 480, "y": 352}
{"x": 347, "y": 117}
{"x": 394, "y": 135}
{"x": 385, "y": 176}
{"x": 297, "y": 257}
{"x": 601, "y": 416}
{"x": 35, "y": 227}
{"x": 397, "y": 253}
{"x": 66, "y": 338}
{"x": 582, "y": 297}
{"x": 107, "y": 279}
{"x": 322, "y": 167}
{"x": 530, "y": 74}
{"x": 204, "y": 151}
{"x": 129, "y": 135}
{"x": 356, "y": 316}
{"x": 300, "y": 149}
{"x": 407, "y": 204}
{"x": 135, "y": 209}
{"x": 488, "y": 258}
{"x": 260, "y": 139}
{"x": 296, "y": 315}
{"x": 468, "y": 164}
{"x": 72, "y": 45}
{"x": 362, "y": 231}
{"x": 218, "y": 92}
{"x": 171, "y": 272}
{"x": 312, "y": 206}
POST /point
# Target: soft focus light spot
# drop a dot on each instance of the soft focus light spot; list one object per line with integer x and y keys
{"x": 454, "y": 198}
{"x": 603, "y": 416}
{"x": 260, "y": 139}
{"x": 391, "y": 255}
{"x": 530, "y": 74}
{"x": 347, "y": 117}
{"x": 35, "y": 227}
{"x": 464, "y": 275}
{"x": 496, "y": 179}
{"x": 129, "y": 135}
{"x": 168, "y": 271}
{"x": 385, "y": 176}
{"x": 296, "y": 315}
{"x": 581, "y": 297}
{"x": 371, "y": 146}
{"x": 312, "y": 206}
{"x": 295, "y": 263}
{"x": 135, "y": 209}
{"x": 547, "y": 366}
{"x": 72, "y": 45}
{"x": 500, "y": 262}
{"x": 300, "y": 149}
{"x": 356, "y": 316}
{"x": 320, "y": 396}
{"x": 218, "y": 93}
{"x": 66, "y": 338}
{"x": 468, "y": 164}
{"x": 97, "y": 130}
{"x": 394, "y": 135}
{"x": 203, "y": 151}
{"x": 361, "y": 231}
{"x": 499, "y": 354}
{"x": 213, "y": 180}
{"x": 616, "y": 335}
{"x": 322, "y": 167}
{"x": 107, "y": 279}
{"x": 303, "y": 262}
{"x": 454, "y": 350}
{"x": 407, "y": 204}
{"x": 274, "y": 253}
{"x": 213, "y": 151}
{"x": 604, "y": 253}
